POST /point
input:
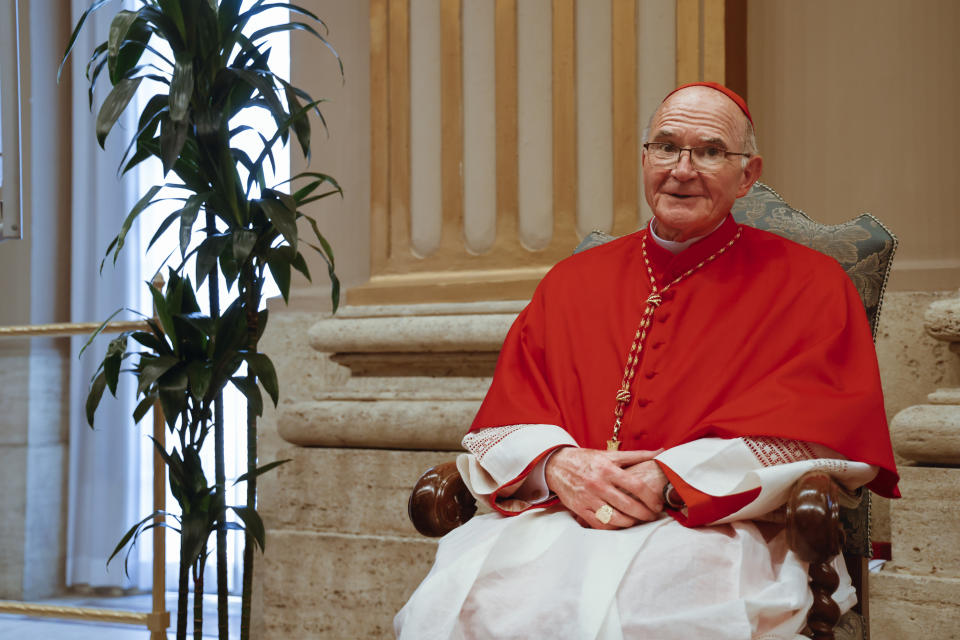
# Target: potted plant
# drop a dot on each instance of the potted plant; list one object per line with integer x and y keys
{"x": 232, "y": 227}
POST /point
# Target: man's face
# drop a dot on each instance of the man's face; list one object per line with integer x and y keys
{"x": 686, "y": 202}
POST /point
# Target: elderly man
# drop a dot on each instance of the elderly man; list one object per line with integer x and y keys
{"x": 651, "y": 405}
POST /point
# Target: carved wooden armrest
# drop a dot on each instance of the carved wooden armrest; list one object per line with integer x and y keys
{"x": 815, "y": 534}
{"x": 440, "y": 501}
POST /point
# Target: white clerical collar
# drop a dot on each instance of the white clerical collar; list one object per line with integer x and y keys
{"x": 677, "y": 247}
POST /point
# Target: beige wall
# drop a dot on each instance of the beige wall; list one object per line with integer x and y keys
{"x": 855, "y": 104}
{"x": 342, "y": 151}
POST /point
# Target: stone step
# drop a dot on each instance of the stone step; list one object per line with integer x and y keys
{"x": 904, "y": 606}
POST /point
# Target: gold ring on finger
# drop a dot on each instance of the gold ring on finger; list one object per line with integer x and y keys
{"x": 604, "y": 513}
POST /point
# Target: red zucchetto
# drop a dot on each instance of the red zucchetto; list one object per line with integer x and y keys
{"x": 740, "y": 102}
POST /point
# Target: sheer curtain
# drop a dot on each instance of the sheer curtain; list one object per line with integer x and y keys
{"x": 104, "y": 462}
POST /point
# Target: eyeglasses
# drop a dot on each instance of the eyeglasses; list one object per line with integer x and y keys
{"x": 704, "y": 159}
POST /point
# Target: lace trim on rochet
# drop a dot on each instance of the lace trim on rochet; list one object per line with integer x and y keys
{"x": 480, "y": 442}
{"x": 771, "y": 451}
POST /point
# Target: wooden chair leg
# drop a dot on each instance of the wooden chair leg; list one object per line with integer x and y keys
{"x": 815, "y": 534}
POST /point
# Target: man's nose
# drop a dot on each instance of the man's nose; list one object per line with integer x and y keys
{"x": 684, "y": 169}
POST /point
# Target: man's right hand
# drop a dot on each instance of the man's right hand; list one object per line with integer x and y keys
{"x": 586, "y": 479}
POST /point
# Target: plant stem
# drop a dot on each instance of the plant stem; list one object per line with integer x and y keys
{"x": 223, "y": 624}
{"x": 198, "y": 597}
{"x": 183, "y": 595}
{"x": 251, "y": 289}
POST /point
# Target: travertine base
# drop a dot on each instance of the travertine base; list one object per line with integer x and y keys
{"x": 342, "y": 556}
{"x": 329, "y": 585}
{"x": 908, "y": 607}
{"x": 926, "y": 529}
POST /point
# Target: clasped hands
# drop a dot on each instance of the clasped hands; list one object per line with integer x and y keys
{"x": 630, "y": 482}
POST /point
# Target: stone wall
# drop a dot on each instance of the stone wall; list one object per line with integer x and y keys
{"x": 916, "y": 594}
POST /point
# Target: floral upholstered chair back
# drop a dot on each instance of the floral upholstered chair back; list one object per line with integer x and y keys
{"x": 862, "y": 246}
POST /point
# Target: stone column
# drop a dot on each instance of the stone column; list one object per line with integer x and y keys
{"x": 378, "y": 396}
{"x": 916, "y": 594}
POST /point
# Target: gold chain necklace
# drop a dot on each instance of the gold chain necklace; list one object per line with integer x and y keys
{"x": 633, "y": 357}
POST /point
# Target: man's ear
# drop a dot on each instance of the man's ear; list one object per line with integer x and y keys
{"x": 751, "y": 173}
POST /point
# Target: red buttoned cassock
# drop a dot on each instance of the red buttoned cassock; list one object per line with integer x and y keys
{"x": 769, "y": 339}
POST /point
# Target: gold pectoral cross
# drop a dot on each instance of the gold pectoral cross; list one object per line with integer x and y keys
{"x": 613, "y": 444}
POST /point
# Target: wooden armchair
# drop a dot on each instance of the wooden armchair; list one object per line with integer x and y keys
{"x": 822, "y": 519}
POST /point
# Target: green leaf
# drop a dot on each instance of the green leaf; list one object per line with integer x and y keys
{"x": 181, "y": 87}
{"x": 297, "y": 26}
{"x": 111, "y": 363}
{"x": 327, "y": 254}
{"x": 76, "y": 31}
{"x": 173, "y": 135}
{"x": 267, "y": 90}
{"x": 231, "y": 331}
{"x": 93, "y": 398}
{"x": 142, "y": 407}
{"x": 195, "y": 532}
{"x": 260, "y": 8}
{"x": 172, "y": 461}
{"x": 199, "y": 374}
{"x": 151, "y": 368}
{"x": 173, "y": 394}
{"x": 99, "y": 330}
{"x": 118, "y": 30}
{"x": 262, "y": 316}
{"x": 92, "y": 76}
{"x": 188, "y": 216}
{"x": 113, "y": 106}
{"x": 132, "y": 533}
{"x": 327, "y": 249}
{"x": 243, "y": 242}
{"x": 207, "y": 255}
{"x": 164, "y": 314}
{"x": 309, "y": 188}
{"x": 280, "y": 270}
{"x": 148, "y": 340}
{"x": 171, "y": 10}
{"x": 130, "y": 52}
{"x": 203, "y": 323}
{"x": 282, "y": 218}
{"x": 138, "y": 208}
{"x": 260, "y": 470}
{"x": 229, "y": 268}
{"x": 163, "y": 227}
{"x": 300, "y": 125}
{"x": 251, "y": 391}
{"x": 300, "y": 264}
{"x": 253, "y": 524}
{"x": 262, "y": 367}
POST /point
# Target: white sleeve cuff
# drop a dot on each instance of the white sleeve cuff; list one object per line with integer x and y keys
{"x": 727, "y": 467}
{"x": 501, "y": 455}
{"x": 534, "y": 487}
